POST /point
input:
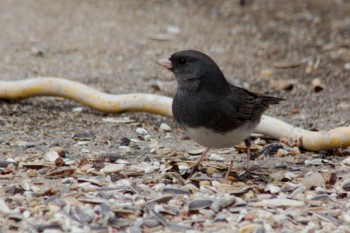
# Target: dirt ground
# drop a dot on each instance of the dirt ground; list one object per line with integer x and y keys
{"x": 113, "y": 45}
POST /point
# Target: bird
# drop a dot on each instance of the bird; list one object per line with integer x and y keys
{"x": 213, "y": 112}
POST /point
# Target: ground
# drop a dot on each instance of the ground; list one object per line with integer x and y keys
{"x": 113, "y": 46}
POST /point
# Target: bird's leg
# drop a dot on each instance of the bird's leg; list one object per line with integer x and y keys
{"x": 229, "y": 169}
{"x": 248, "y": 144}
{"x": 199, "y": 160}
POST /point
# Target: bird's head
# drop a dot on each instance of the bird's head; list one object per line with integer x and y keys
{"x": 194, "y": 69}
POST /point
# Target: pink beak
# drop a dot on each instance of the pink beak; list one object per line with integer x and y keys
{"x": 166, "y": 63}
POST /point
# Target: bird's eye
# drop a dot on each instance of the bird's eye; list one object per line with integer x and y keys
{"x": 182, "y": 61}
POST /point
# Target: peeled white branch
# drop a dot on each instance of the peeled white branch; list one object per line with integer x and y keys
{"x": 156, "y": 104}
{"x": 309, "y": 140}
{"x": 85, "y": 95}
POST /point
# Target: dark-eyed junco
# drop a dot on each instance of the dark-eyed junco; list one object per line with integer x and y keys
{"x": 215, "y": 113}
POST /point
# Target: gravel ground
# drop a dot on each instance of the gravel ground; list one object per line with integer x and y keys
{"x": 298, "y": 50}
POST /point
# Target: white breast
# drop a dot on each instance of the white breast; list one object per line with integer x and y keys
{"x": 209, "y": 138}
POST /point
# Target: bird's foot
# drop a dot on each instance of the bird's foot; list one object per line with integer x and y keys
{"x": 247, "y": 167}
{"x": 193, "y": 170}
{"x": 195, "y": 167}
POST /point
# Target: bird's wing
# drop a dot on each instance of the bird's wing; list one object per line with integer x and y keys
{"x": 249, "y": 105}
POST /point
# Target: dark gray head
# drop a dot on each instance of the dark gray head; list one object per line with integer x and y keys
{"x": 194, "y": 71}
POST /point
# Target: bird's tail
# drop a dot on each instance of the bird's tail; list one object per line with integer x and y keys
{"x": 269, "y": 100}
